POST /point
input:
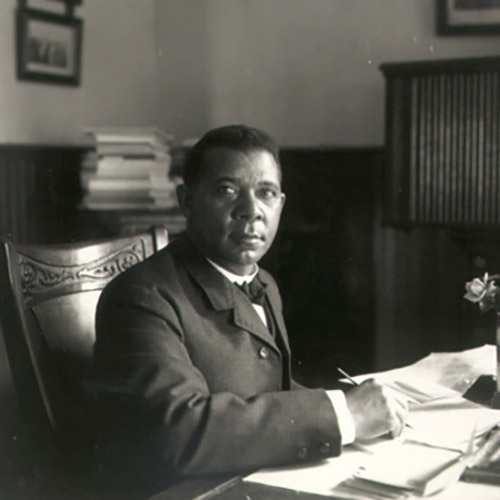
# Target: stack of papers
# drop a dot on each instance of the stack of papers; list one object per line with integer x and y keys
{"x": 412, "y": 467}
{"x": 449, "y": 422}
{"x": 456, "y": 371}
{"x": 428, "y": 457}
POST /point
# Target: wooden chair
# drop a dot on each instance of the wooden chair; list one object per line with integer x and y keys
{"x": 48, "y": 296}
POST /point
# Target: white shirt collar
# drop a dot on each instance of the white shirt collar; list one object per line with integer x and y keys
{"x": 235, "y": 278}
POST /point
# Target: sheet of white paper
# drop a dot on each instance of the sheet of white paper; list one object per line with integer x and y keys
{"x": 319, "y": 478}
{"x": 468, "y": 491}
{"x": 449, "y": 422}
{"x": 418, "y": 389}
{"x": 407, "y": 465}
{"x": 455, "y": 371}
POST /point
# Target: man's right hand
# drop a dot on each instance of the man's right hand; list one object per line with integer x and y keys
{"x": 376, "y": 410}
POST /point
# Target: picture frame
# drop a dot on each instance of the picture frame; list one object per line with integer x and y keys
{"x": 48, "y": 47}
{"x": 468, "y": 17}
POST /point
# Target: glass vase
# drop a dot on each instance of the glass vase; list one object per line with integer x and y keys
{"x": 495, "y": 401}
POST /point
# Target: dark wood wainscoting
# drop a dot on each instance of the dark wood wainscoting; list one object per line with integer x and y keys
{"x": 39, "y": 196}
{"x": 420, "y": 276}
{"x": 323, "y": 259}
{"x": 39, "y": 192}
{"x": 356, "y": 293}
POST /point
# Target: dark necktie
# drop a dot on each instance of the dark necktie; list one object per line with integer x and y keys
{"x": 255, "y": 291}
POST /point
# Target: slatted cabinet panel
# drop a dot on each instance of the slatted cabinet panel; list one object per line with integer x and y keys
{"x": 443, "y": 143}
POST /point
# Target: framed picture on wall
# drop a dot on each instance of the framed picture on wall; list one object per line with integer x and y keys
{"x": 468, "y": 17}
{"x": 48, "y": 47}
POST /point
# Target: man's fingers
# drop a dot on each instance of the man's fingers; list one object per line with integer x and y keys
{"x": 397, "y": 396}
{"x": 398, "y": 408}
{"x": 376, "y": 410}
{"x": 398, "y": 424}
{"x": 402, "y": 410}
{"x": 396, "y": 431}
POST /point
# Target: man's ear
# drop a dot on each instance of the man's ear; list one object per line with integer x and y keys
{"x": 283, "y": 199}
{"x": 184, "y": 199}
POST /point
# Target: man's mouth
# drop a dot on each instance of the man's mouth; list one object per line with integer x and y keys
{"x": 248, "y": 239}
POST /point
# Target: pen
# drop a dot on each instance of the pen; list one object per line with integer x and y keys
{"x": 353, "y": 382}
{"x": 347, "y": 376}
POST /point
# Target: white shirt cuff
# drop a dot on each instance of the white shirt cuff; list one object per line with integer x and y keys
{"x": 344, "y": 417}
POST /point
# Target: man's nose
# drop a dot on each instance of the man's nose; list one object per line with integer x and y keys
{"x": 248, "y": 207}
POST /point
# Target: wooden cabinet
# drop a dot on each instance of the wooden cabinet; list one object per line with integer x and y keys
{"x": 443, "y": 143}
{"x": 40, "y": 200}
{"x": 105, "y": 223}
{"x": 39, "y": 192}
{"x": 441, "y": 206}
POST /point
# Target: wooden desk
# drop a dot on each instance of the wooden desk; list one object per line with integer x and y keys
{"x": 229, "y": 488}
{"x": 237, "y": 489}
{"x": 234, "y": 488}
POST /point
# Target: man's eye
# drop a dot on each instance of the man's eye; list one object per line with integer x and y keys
{"x": 268, "y": 193}
{"x": 226, "y": 190}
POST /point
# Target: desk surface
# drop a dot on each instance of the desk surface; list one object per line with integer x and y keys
{"x": 237, "y": 489}
{"x": 232, "y": 488}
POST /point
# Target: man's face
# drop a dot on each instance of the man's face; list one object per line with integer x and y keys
{"x": 234, "y": 208}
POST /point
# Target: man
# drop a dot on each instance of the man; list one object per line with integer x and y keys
{"x": 194, "y": 376}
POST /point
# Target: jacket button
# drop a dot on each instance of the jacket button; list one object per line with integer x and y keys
{"x": 325, "y": 448}
{"x": 264, "y": 352}
{"x": 302, "y": 453}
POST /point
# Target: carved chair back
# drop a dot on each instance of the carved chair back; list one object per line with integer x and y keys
{"x": 48, "y": 297}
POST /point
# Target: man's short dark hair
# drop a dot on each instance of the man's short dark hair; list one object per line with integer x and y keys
{"x": 237, "y": 137}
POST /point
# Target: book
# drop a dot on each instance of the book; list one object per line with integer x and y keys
{"x": 412, "y": 467}
{"x": 129, "y": 160}
{"x": 139, "y": 135}
{"x": 92, "y": 160}
{"x": 112, "y": 184}
{"x": 103, "y": 195}
{"x": 132, "y": 149}
{"x": 484, "y": 467}
{"x": 164, "y": 203}
{"x": 117, "y": 204}
{"x": 143, "y": 188}
{"x": 91, "y": 180}
{"x": 139, "y": 204}
{"x": 128, "y": 169}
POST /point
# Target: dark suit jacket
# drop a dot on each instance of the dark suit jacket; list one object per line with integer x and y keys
{"x": 190, "y": 381}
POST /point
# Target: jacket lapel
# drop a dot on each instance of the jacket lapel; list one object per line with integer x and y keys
{"x": 223, "y": 295}
{"x": 275, "y": 303}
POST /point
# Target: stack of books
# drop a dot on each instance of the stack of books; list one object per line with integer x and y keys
{"x": 129, "y": 169}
